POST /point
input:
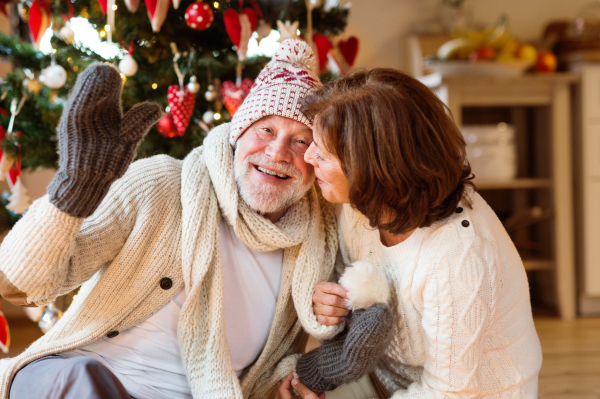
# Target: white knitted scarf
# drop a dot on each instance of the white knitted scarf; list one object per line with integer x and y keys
{"x": 306, "y": 232}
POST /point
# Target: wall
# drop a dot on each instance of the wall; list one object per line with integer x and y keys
{"x": 4, "y": 28}
{"x": 383, "y": 25}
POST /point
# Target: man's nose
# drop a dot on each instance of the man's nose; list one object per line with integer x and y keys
{"x": 279, "y": 150}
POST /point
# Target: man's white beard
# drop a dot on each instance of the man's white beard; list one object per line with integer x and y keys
{"x": 264, "y": 197}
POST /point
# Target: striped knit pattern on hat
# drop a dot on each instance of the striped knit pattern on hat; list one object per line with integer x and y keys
{"x": 286, "y": 79}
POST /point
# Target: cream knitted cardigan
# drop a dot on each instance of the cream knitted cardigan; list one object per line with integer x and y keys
{"x": 162, "y": 220}
{"x": 466, "y": 329}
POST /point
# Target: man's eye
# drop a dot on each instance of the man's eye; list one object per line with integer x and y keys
{"x": 303, "y": 142}
{"x": 266, "y": 129}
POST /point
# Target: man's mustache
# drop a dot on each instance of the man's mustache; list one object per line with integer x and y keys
{"x": 266, "y": 162}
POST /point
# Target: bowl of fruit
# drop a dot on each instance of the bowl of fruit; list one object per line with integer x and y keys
{"x": 491, "y": 52}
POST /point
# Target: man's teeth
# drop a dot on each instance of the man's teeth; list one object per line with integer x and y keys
{"x": 268, "y": 172}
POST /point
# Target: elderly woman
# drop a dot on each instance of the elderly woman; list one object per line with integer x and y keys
{"x": 387, "y": 149}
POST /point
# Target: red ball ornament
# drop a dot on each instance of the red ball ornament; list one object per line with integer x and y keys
{"x": 199, "y": 15}
{"x": 166, "y": 126}
{"x": 4, "y": 334}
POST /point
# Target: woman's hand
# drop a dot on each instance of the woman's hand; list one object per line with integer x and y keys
{"x": 284, "y": 389}
{"x": 329, "y": 303}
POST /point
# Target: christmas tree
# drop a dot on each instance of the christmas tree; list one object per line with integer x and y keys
{"x": 189, "y": 56}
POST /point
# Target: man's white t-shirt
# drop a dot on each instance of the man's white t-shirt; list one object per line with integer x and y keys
{"x": 146, "y": 358}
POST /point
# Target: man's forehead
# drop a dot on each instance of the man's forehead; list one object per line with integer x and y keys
{"x": 282, "y": 120}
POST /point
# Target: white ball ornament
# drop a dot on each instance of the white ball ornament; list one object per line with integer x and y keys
{"x": 210, "y": 94}
{"x": 54, "y": 76}
{"x": 208, "y": 117}
{"x": 128, "y": 66}
{"x": 193, "y": 86}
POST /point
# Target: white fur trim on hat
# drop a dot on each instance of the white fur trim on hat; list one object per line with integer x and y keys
{"x": 366, "y": 285}
{"x": 278, "y": 89}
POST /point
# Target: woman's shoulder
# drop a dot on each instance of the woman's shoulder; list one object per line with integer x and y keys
{"x": 474, "y": 227}
{"x": 472, "y": 218}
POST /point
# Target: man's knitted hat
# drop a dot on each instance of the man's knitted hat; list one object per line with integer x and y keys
{"x": 278, "y": 89}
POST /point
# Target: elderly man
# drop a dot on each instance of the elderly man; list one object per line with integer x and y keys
{"x": 196, "y": 274}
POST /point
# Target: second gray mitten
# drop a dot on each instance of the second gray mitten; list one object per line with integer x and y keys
{"x": 96, "y": 142}
{"x": 352, "y": 353}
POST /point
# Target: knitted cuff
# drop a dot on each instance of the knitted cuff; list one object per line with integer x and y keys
{"x": 76, "y": 198}
{"x": 350, "y": 355}
{"x": 79, "y": 186}
{"x": 309, "y": 371}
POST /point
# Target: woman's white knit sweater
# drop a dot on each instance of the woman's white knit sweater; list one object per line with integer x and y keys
{"x": 161, "y": 221}
{"x": 466, "y": 329}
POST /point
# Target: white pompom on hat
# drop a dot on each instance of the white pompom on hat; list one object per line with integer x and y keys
{"x": 278, "y": 89}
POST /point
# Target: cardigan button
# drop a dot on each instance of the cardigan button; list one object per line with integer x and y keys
{"x": 465, "y": 223}
{"x": 166, "y": 283}
{"x": 459, "y": 209}
{"x": 112, "y": 334}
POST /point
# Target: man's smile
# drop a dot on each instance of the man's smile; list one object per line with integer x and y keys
{"x": 269, "y": 172}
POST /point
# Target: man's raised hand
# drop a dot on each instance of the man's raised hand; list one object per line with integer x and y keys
{"x": 96, "y": 142}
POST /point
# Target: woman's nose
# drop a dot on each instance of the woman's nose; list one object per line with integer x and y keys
{"x": 309, "y": 154}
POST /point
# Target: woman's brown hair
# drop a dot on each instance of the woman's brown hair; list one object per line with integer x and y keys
{"x": 399, "y": 147}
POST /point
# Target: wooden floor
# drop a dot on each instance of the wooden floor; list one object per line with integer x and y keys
{"x": 571, "y": 349}
{"x": 571, "y": 367}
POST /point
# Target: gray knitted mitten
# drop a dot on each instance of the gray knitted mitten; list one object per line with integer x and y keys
{"x": 96, "y": 142}
{"x": 352, "y": 353}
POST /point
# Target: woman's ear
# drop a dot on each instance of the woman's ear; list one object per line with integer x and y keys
{"x": 366, "y": 285}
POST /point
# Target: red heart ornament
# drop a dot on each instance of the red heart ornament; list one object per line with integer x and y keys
{"x": 233, "y": 25}
{"x": 39, "y": 20}
{"x": 349, "y": 49}
{"x": 2, "y": 134}
{"x": 103, "y": 5}
{"x": 13, "y": 174}
{"x": 3, "y": 4}
{"x": 157, "y": 12}
{"x": 233, "y": 95}
{"x": 182, "y": 106}
{"x": 132, "y": 5}
{"x": 4, "y": 334}
{"x": 323, "y": 46}
{"x": 252, "y": 17}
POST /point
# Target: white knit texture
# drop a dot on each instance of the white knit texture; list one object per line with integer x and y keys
{"x": 278, "y": 89}
{"x": 465, "y": 323}
{"x": 162, "y": 220}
